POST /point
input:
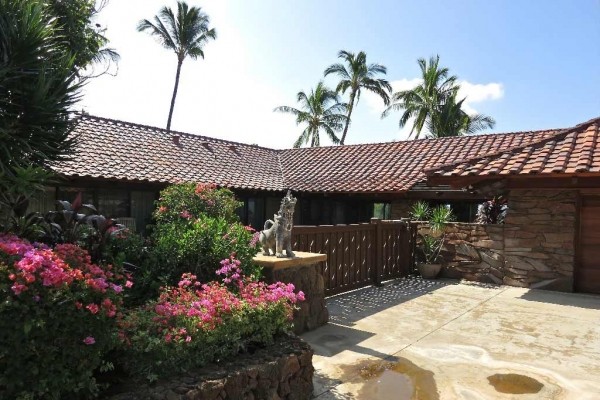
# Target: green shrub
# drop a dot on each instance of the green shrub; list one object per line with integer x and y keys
{"x": 198, "y": 245}
{"x": 134, "y": 253}
{"x": 190, "y": 200}
{"x": 58, "y": 315}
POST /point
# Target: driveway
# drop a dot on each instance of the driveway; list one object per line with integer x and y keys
{"x": 417, "y": 339}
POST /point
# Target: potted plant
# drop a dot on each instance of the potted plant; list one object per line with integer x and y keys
{"x": 430, "y": 239}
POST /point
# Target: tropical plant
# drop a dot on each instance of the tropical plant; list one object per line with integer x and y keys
{"x": 80, "y": 224}
{"x": 186, "y": 34}
{"x": 38, "y": 87}
{"x": 320, "y": 111}
{"x": 492, "y": 211}
{"x": 433, "y": 104}
{"x": 355, "y": 75}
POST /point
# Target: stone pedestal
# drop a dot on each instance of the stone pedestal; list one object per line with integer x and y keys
{"x": 304, "y": 272}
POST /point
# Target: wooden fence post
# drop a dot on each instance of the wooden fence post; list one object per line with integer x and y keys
{"x": 378, "y": 270}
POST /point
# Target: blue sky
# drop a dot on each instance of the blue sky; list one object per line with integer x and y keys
{"x": 529, "y": 64}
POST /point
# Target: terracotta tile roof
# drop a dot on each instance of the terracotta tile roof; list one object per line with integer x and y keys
{"x": 572, "y": 151}
{"x": 388, "y": 167}
{"x": 113, "y": 149}
{"x": 117, "y": 150}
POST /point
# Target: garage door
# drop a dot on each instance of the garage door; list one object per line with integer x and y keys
{"x": 588, "y": 274}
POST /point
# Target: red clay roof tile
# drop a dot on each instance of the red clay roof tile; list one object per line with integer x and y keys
{"x": 574, "y": 150}
{"x": 111, "y": 149}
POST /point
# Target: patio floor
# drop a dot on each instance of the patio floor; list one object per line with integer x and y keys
{"x": 417, "y": 339}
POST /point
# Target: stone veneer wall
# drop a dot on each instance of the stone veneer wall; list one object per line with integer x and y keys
{"x": 312, "y": 312}
{"x": 534, "y": 248}
{"x": 539, "y": 238}
{"x": 281, "y": 371}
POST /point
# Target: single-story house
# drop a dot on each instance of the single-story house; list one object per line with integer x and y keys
{"x": 551, "y": 235}
{"x": 121, "y": 166}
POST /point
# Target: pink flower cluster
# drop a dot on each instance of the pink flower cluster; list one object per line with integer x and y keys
{"x": 185, "y": 214}
{"x": 14, "y": 246}
{"x": 207, "y": 305}
{"x": 204, "y": 187}
{"x": 36, "y": 268}
{"x": 231, "y": 271}
{"x": 255, "y": 238}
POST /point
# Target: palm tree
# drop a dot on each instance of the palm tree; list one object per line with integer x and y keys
{"x": 423, "y": 101}
{"x": 320, "y": 111}
{"x": 451, "y": 120}
{"x": 357, "y": 75}
{"x": 185, "y": 34}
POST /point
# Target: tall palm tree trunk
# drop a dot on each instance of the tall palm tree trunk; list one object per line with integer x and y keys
{"x": 179, "y": 63}
{"x": 350, "y": 108}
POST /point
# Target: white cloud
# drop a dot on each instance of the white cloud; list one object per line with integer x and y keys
{"x": 477, "y": 93}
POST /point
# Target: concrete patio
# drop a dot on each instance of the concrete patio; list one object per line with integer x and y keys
{"x": 416, "y": 339}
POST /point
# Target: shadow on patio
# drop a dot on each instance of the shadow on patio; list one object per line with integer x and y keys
{"x": 348, "y": 308}
{"x": 580, "y": 300}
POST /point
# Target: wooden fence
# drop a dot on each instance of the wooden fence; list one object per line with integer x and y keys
{"x": 358, "y": 255}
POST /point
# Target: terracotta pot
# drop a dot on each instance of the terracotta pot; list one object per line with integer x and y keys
{"x": 429, "y": 271}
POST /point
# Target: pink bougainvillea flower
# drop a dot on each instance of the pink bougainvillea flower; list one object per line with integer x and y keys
{"x": 89, "y": 340}
{"x": 93, "y": 308}
{"x": 128, "y": 284}
{"x": 185, "y": 214}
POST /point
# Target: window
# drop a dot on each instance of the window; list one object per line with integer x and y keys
{"x": 70, "y": 193}
{"x": 382, "y": 210}
{"x": 113, "y": 203}
{"x": 256, "y": 212}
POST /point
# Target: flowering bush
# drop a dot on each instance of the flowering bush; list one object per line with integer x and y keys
{"x": 57, "y": 319}
{"x": 193, "y": 323}
{"x": 190, "y": 200}
{"x": 198, "y": 245}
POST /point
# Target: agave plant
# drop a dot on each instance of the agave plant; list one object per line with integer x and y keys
{"x": 440, "y": 216}
{"x": 431, "y": 242}
{"x": 420, "y": 211}
{"x": 430, "y": 248}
